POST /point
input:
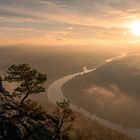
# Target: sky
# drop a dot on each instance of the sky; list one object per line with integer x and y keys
{"x": 68, "y": 22}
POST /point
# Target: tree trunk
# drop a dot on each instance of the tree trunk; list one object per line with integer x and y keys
{"x": 57, "y": 130}
{"x": 22, "y": 101}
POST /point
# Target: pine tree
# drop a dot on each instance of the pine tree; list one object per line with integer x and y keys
{"x": 31, "y": 81}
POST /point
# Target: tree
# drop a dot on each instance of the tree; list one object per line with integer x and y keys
{"x": 31, "y": 81}
{"x": 66, "y": 117}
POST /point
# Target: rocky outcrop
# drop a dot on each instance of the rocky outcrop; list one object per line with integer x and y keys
{"x": 3, "y": 91}
{"x": 17, "y": 124}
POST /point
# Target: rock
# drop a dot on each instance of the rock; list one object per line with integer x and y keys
{"x": 3, "y": 91}
{"x": 16, "y": 124}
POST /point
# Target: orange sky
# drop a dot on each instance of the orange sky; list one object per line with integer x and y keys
{"x": 68, "y": 22}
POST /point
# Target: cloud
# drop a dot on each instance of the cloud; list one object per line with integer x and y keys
{"x": 77, "y": 18}
{"x": 112, "y": 96}
{"x": 59, "y": 11}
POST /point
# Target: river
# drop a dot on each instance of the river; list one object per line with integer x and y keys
{"x": 55, "y": 94}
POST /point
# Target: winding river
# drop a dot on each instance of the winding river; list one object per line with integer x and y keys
{"x": 55, "y": 94}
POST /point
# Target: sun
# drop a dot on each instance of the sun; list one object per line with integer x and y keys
{"x": 135, "y": 28}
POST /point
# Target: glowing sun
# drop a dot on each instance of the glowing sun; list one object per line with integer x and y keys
{"x": 135, "y": 28}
